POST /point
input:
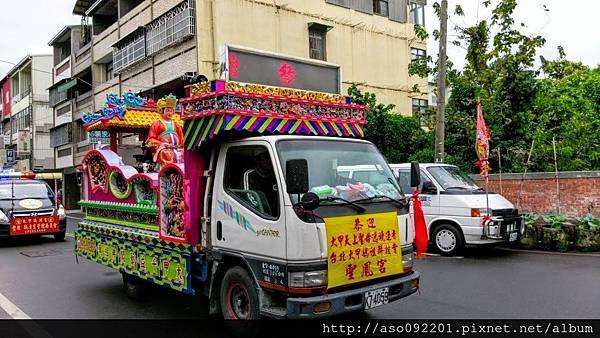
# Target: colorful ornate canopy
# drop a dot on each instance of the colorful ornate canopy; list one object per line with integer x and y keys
{"x": 124, "y": 113}
{"x": 213, "y": 107}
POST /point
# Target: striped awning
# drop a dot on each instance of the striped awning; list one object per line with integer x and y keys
{"x": 200, "y": 130}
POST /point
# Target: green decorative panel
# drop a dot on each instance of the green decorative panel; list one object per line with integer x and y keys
{"x": 139, "y": 255}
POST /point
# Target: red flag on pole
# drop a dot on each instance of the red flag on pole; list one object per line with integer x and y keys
{"x": 421, "y": 235}
{"x": 482, "y": 143}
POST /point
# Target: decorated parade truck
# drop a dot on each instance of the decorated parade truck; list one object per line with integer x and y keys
{"x": 234, "y": 194}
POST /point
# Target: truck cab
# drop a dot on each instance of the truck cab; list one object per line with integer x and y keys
{"x": 455, "y": 207}
{"x": 282, "y": 244}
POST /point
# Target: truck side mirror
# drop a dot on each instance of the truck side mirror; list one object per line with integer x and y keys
{"x": 296, "y": 176}
{"x": 415, "y": 174}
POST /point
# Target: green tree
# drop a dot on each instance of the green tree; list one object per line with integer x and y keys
{"x": 399, "y": 138}
{"x": 567, "y": 108}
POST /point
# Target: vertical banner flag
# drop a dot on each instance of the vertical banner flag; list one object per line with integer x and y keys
{"x": 482, "y": 143}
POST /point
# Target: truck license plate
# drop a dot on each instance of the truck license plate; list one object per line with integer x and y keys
{"x": 513, "y": 237}
{"x": 376, "y": 298}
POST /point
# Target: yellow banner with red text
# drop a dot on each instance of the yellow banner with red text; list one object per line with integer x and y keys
{"x": 362, "y": 247}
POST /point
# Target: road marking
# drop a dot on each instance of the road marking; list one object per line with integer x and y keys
{"x": 70, "y": 235}
{"x": 14, "y": 312}
{"x": 72, "y": 217}
{"x": 12, "y": 309}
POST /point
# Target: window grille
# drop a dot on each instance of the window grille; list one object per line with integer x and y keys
{"x": 170, "y": 28}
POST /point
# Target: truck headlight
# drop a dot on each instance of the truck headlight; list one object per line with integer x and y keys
{"x": 307, "y": 279}
{"x": 61, "y": 212}
{"x": 408, "y": 258}
{"x": 3, "y": 217}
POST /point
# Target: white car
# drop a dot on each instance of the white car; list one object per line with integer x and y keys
{"x": 454, "y": 208}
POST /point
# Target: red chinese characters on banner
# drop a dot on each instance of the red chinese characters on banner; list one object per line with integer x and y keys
{"x": 34, "y": 225}
{"x": 362, "y": 247}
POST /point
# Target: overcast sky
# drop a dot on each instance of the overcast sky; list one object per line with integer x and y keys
{"x": 26, "y": 26}
{"x": 572, "y": 24}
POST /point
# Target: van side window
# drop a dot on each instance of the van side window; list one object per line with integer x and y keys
{"x": 250, "y": 178}
{"x": 404, "y": 179}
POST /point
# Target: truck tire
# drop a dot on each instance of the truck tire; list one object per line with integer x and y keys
{"x": 239, "y": 298}
{"x": 447, "y": 240}
{"x": 60, "y": 237}
{"x": 135, "y": 288}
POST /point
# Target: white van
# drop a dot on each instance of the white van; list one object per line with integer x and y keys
{"x": 453, "y": 204}
{"x": 454, "y": 207}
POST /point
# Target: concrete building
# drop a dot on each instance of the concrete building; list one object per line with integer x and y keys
{"x": 5, "y": 99}
{"x": 70, "y": 96}
{"x": 140, "y": 45}
{"x": 150, "y": 45}
{"x": 373, "y": 41}
{"x": 27, "y": 130}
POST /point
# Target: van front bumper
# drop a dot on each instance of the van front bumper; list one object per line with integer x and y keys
{"x": 5, "y": 229}
{"x": 351, "y": 300}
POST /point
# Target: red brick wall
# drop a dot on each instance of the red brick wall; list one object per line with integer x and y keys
{"x": 578, "y": 192}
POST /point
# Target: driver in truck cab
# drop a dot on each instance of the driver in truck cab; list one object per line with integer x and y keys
{"x": 262, "y": 178}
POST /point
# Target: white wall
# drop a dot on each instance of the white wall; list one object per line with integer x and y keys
{"x": 42, "y": 76}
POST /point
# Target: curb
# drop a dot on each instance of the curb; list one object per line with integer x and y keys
{"x": 540, "y": 252}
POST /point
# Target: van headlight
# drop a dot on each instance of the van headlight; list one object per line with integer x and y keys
{"x": 3, "y": 217}
{"x": 61, "y": 213}
{"x": 479, "y": 212}
{"x": 307, "y": 279}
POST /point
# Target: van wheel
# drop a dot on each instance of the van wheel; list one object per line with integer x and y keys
{"x": 447, "y": 240}
{"x": 135, "y": 288}
{"x": 239, "y": 298}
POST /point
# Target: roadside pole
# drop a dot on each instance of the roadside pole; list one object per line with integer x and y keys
{"x": 441, "y": 86}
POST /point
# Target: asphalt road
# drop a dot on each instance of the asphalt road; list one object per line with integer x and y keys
{"x": 485, "y": 283}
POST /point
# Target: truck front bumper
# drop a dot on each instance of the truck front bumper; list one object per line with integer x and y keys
{"x": 351, "y": 300}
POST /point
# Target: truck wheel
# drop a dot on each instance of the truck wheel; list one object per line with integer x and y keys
{"x": 239, "y": 299}
{"x": 135, "y": 288}
{"x": 447, "y": 240}
{"x": 59, "y": 237}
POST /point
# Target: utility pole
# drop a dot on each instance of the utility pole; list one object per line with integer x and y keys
{"x": 441, "y": 86}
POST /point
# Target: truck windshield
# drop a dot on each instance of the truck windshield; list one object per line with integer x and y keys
{"x": 349, "y": 170}
{"x": 452, "y": 178}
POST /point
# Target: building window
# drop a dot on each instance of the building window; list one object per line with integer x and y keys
{"x": 316, "y": 43}
{"x": 128, "y": 52}
{"x": 416, "y": 53}
{"x": 109, "y": 71}
{"x": 171, "y": 27}
{"x": 64, "y": 152}
{"x": 61, "y": 135}
{"x": 417, "y": 13}
{"x": 381, "y": 7}
{"x": 419, "y": 109}
{"x": 63, "y": 110}
{"x": 21, "y": 120}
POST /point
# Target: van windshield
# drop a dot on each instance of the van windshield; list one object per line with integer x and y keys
{"x": 452, "y": 178}
{"x": 345, "y": 169}
{"x": 19, "y": 191}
